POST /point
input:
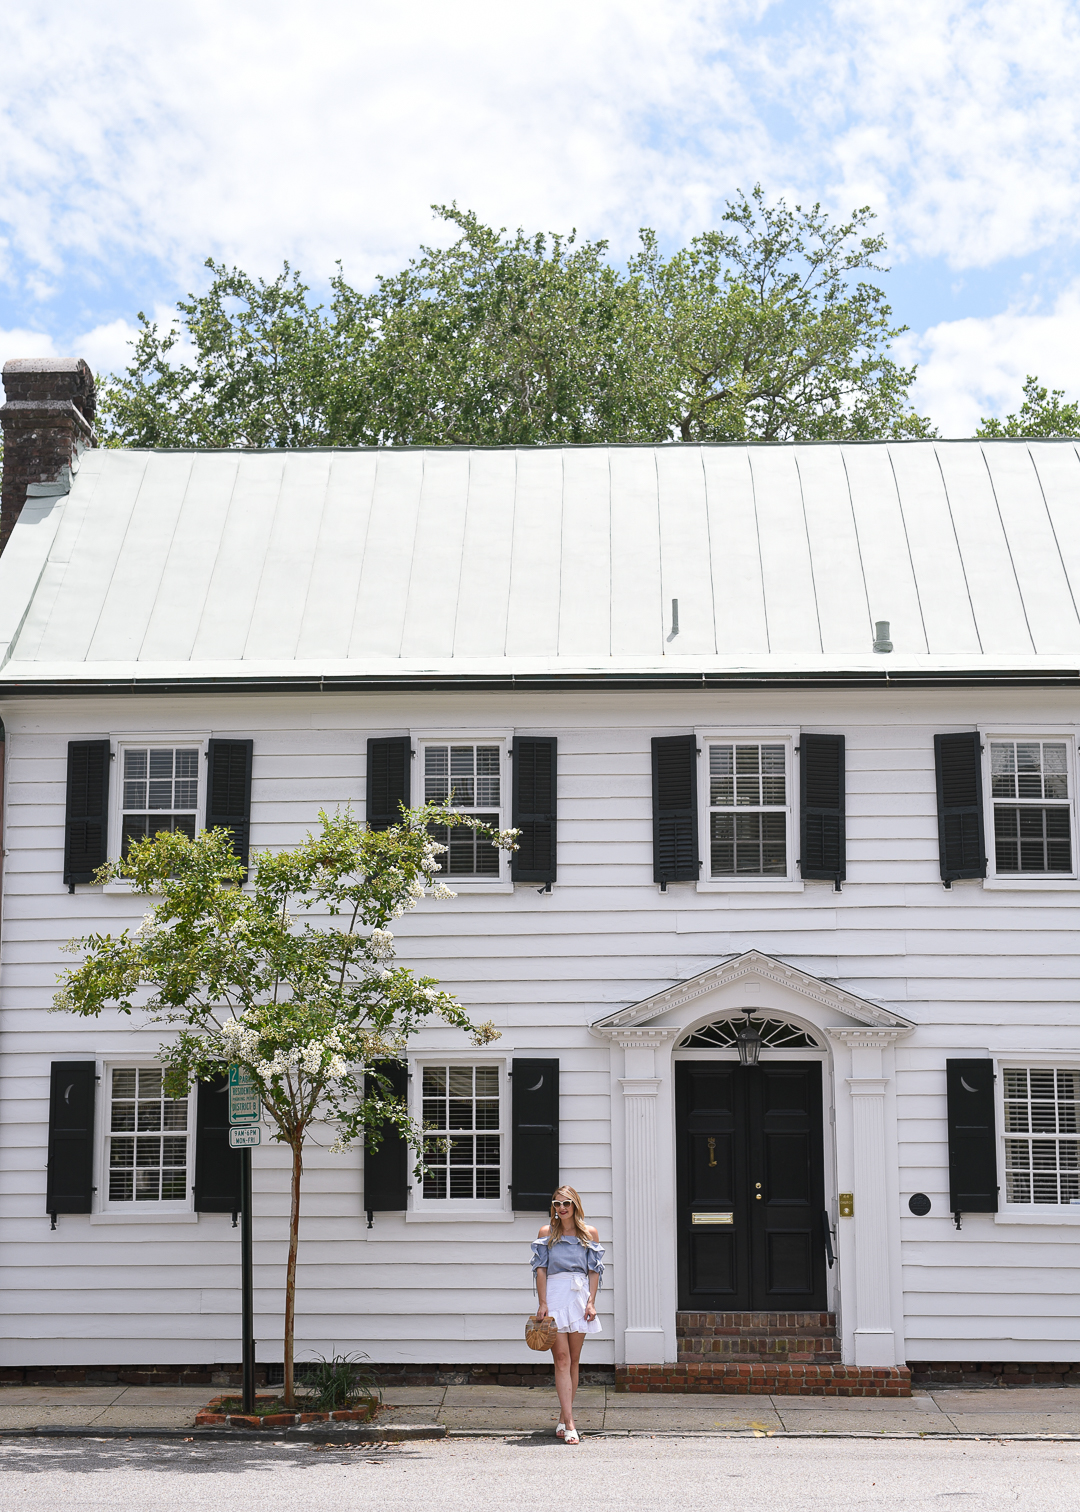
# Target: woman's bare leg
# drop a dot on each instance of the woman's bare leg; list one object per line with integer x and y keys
{"x": 565, "y": 1382}
{"x": 576, "y": 1341}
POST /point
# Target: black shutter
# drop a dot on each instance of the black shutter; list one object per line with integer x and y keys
{"x": 228, "y": 799}
{"x": 70, "y": 1182}
{"x": 217, "y": 1167}
{"x": 386, "y": 1170}
{"x": 973, "y": 1184}
{"x": 86, "y": 839}
{"x": 534, "y": 809}
{"x": 961, "y": 839}
{"x": 675, "y": 808}
{"x": 388, "y": 784}
{"x": 534, "y": 1120}
{"x": 821, "y": 808}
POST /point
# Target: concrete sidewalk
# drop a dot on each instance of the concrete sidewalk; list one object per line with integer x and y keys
{"x": 520, "y": 1409}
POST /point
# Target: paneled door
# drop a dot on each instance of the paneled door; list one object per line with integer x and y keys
{"x": 751, "y": 1188}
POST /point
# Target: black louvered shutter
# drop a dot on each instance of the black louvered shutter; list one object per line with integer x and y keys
{"x": 70, "y": 1181}
{"x": 228, "y": 799}
{"x": 961, "y": 838}
{"x": 534, "y": 783}
{"x": 388, "y": 781}
{"x": 821, "y": 806}
{"x": 675, "y": 808}
{"x": 534, "y": 1155}
{"x": 386, "y": 1170}
{"x": 217, "y": 1167}
{"x": 973, "y": 1186}
{"x": 86, "y": 836}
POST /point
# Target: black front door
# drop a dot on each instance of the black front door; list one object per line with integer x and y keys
{"x": 750, "y": 1186}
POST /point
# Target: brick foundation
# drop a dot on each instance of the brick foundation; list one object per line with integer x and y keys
{"x": 988, "y": 1373}
{"x": 230, "y": 1375}
{"x": 767, "y": 1380}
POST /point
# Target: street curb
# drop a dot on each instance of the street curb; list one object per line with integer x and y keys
{"x": 924, "y": 1436}
{"x": 331, "y": 1432}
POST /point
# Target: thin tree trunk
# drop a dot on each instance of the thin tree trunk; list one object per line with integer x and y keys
{"x": 290, "y": 1271}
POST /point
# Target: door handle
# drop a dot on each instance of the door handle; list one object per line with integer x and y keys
{"x": 712, "y": 1151}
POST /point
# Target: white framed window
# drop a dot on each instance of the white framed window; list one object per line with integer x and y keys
{"x": 1030, "y": 783}
{"x": 748, "y": 806}
{"x": 472, "y": 772}
{"x": 147, "y": 1144}
{"x": 1039, "y": 1141}
{"x": 462, "y": 1104}
{"x": 157, "y": 785}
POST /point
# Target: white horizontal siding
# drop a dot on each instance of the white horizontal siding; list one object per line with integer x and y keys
{"x": 974, "y": 969}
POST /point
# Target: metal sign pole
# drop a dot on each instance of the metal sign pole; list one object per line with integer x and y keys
{"x": 247, "y": 1282}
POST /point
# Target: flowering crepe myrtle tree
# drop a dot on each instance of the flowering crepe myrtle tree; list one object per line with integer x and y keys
{"x": 292, "y": 977}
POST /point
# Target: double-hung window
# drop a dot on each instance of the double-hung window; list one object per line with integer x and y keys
{"x": 159, "y": 790}
{"x": 1042, "y": 1136}
{"x": 749, "y": 809}
{"x": 147, "y": 1141}
{"x": 462, "y": 1114}
{"x": 1031, "y": 794}
{"x": 470, "y": 775}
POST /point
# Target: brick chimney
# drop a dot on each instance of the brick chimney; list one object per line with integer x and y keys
{"x": 48, "y": 420}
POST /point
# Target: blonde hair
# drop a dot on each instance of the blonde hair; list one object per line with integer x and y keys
{"x": 555, "y": 1228}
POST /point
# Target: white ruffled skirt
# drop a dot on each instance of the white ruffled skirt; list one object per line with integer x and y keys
{"x": 567, "y": 1295}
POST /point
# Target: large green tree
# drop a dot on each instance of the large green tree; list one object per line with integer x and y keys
{"x": 1043, "y": 413}
{"x": 767, "y": 329}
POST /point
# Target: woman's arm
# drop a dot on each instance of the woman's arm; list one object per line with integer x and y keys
{"x": 540, "y": 1276}
{"x": 594, "y": 1282}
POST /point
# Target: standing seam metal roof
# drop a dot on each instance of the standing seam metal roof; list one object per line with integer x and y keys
{"x": 460, "y": 560}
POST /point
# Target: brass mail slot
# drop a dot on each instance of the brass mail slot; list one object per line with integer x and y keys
{"x": 713, "y": 1218}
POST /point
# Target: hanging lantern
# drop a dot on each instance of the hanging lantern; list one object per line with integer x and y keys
{"x": 749, "y": 1041}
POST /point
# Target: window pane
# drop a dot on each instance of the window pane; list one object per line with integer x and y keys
{"x": 1003, "y": 769}
{"x": 1043, "y": 1102}
{"x": 453, "y": 1163}
{"x": 721, "y": 776}
{"x": 136, "y": 1163}
{"x": 436, "y": 773}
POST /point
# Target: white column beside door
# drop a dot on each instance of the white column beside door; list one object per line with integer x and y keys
{"x": 644, "y": 1336}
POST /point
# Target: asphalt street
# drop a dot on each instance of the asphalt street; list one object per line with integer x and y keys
{"x": 601, "y": 1475}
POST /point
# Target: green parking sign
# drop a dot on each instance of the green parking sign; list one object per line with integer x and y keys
{"x": 245, "y": 1104}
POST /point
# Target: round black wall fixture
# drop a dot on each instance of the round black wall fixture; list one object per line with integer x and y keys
{"x": 919, "y": 1204}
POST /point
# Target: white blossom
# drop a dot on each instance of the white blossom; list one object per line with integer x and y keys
{"x": 382, "y": 944}
{"x": 442, "y": 891}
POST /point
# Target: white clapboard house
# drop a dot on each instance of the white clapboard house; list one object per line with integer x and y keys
{"x": 786, "y": 965}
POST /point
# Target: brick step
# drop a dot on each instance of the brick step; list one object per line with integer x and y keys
{"x": 823, "y": 1351}
{"x": 767, "y": 1379}
{"x": 758, "y": 1325}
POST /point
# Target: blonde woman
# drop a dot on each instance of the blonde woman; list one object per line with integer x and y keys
{"x": 568, "y": 1265}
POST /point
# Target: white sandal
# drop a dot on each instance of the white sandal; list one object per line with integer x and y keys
{"x": 572, "y": 1436}
{"x": 560, "y": 1430}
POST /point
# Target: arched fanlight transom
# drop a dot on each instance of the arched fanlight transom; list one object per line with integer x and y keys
{"x": 722, "y": 1034}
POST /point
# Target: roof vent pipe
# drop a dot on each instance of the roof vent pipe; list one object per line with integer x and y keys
{"x": 881, "y": 636}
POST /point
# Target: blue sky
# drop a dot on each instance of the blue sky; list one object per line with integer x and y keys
{"x": 137, "y": 140}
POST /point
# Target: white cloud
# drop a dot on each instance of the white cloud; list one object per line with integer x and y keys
{"x": 976, "y": 367}
{"x": 261, "y": 129}
{"x": 105, "y": 347}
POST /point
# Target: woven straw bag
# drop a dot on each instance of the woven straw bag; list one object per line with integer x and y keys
{"x": 540, "y": 1333}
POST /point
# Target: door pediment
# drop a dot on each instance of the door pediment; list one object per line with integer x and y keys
{"x": 754, "y": 968}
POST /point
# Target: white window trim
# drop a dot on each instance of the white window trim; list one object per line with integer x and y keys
{"x": 1033, "y": 1213}
{"x": 1011, "y": 881}
{"x": 118, "y": 743}
{"x": 461, "y": 1209}
{"x": 471, "y": 735}
{"x": 758, "y": 734}
{"x": 147, "y": 1212}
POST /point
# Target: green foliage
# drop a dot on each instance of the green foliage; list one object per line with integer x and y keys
{"x": 1043, "y": 413}
{"x": 759, "y": 331}
{"x": 337, "y": 1383}
{"x": 293, "y": 977}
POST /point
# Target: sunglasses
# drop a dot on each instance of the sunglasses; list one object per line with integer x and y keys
{"x": 562, "y": 1204}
